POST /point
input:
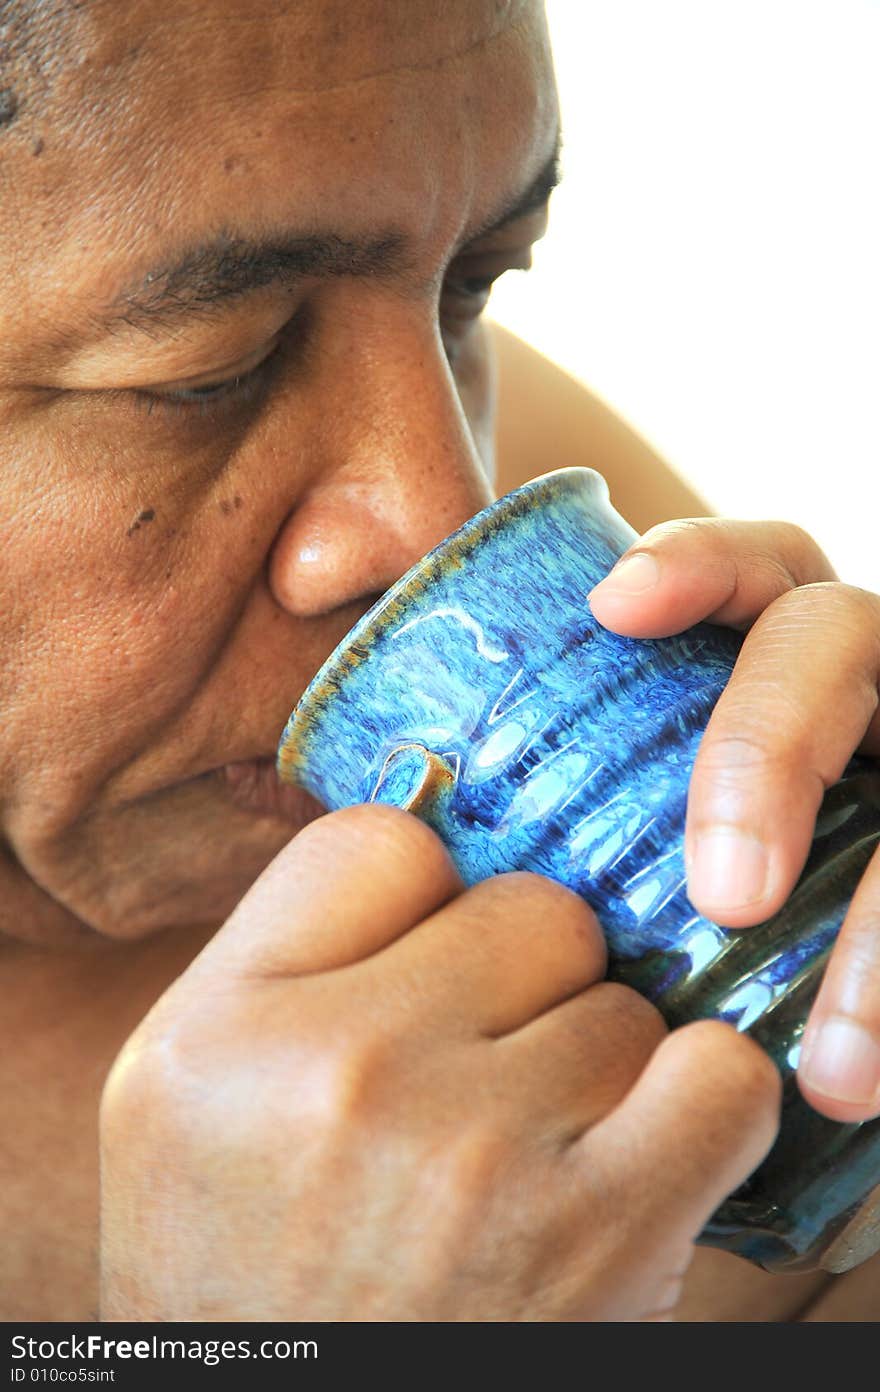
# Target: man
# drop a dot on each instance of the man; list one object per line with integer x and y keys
{"x": 244, "y": 384}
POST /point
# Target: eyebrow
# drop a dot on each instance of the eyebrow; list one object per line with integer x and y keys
{"x": 208, "y": 276}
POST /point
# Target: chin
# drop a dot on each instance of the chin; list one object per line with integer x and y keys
{"x": 183, "y": 859}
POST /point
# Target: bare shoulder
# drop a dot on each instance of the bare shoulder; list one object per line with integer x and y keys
{"x": 547, "y": 419}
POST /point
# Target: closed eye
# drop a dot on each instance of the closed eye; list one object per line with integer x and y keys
{"x": 203, "y": 395}
{"x": 471, "y": 276}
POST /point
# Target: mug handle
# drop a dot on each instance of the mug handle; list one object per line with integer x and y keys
{"x": 415, "y": 779}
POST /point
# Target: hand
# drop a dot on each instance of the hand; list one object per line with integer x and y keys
{"x": 770, "y": 752}
{"x": 376, "y": 1096}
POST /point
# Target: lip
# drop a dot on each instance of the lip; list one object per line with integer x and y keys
{"x": 254, "y": 786}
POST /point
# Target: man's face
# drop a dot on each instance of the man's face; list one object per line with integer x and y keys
{"x": 243, "y": 387}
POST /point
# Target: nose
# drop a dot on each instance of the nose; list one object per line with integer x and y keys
{"x": 398, "y": 470}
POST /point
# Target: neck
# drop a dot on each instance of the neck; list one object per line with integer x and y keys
{"x": 65, "y": 1012}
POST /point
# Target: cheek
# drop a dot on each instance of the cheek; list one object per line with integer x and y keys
{"x": 115, "y": 602}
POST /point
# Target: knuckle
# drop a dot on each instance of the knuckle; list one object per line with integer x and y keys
{"x": 734, "y": 755}
{"x": 859, "y": 949}
{"x": 777, "y": 578}
{"x": 344, "y": 1085}
{"x": 528, "y": 896}
{"x": 755, "y": 1077}
{"x": 638, "y": 1021}
{"x": 744, "y": 1072}
{"x": 609, "y": 1033}
{"x": 796, "y": 535}
{"x": 761, "y": 731}
{"x": 186, "y": 1070}
{"x": 785, "y": 551}
{"x": 143, "y": 1082}
{"x": 540, "y": 893}
{"x": 471, "y": 1165}
{"x": 792, "y": 540}
{"x": 740, "y": 764}
{"x": 191, "y": 1085}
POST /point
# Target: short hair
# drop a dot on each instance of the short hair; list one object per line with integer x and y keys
{"x": 32, "y": 34}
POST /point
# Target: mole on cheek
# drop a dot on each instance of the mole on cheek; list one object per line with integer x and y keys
{"x": 8, "y": 106}
{"x": 146, "y": 516}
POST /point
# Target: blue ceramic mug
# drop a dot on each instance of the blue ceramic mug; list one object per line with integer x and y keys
{"x": 480, "y": 694}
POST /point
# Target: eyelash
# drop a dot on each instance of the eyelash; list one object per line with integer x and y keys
{"x": 239, "y": 390}
{"x": 474, "y": 285}
{"x": 206, "y": 400}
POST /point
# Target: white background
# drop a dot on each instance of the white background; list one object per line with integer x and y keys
{"x": 711, "y": 269}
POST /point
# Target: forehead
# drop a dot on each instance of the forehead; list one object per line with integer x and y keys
{"x": 100, "y": 73}
{"x": 314, "y": 43}
{"x": 156, "y": 122}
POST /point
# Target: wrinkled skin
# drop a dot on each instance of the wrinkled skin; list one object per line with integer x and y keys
{"x": 181, "y": 569}
{"x": 440, "y": 1110}
{"x": 194, "y": 510}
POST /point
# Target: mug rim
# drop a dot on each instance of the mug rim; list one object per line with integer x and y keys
{"x": 354, "y": 647}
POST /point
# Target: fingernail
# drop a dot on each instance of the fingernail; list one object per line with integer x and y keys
{"x": 843, "y": 1061}
{"x": 632, "y": 576}
{"x": 728, "y": 869}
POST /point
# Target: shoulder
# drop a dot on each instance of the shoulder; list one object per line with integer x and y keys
{"x": 547, "y": 419}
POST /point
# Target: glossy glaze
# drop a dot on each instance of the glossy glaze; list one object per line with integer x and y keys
{"x": 481, "y": 694}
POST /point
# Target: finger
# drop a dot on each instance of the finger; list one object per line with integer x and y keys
{"x": 503, "y": 952}
{"x": 574, "y": 1063}
{"x": 839, "y": 1069}
{"x": 770, "y": 750}
{"x": 346, "y": 886}
{"x": 698, "y": 1121}
{"x": 705, "y": 568}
